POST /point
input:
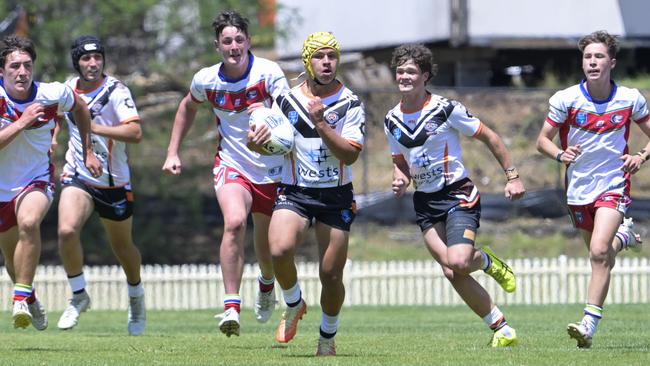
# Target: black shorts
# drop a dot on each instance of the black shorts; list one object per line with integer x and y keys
{"x": 333, "y": 206}
{"x": 114, "y": 204}
{"x": 457, "y": 205}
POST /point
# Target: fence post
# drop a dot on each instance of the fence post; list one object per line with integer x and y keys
{"x": 563, "y": 274}
{"x": 560, "y": 280}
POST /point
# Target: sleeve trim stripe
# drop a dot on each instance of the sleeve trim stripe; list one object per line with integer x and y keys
{"x": 643, "y": 119}
{"x": 553, "y": 123}
{"x": 478, "y": 131}
{"x": 357, "y": 145}
{"x": 129, "y": 120}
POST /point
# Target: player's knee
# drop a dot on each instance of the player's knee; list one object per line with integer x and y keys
{"x": 67, "y": 234}
{"x": 29, "y": 225}
{"x": 280, "y": 252}
{"x": 234, "y": 224}
{"x": 330, "y": 277}
{"x": 601, "y": 256}
{"x": 460, "y": 265}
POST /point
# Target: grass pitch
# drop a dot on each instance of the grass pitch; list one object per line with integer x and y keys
{"x": 367, "y": 336}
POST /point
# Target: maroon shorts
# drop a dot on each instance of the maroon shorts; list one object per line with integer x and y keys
{"x": 263, "y": 194}
{"x": 8, "y": 209}
{"x": 583, "y": 215}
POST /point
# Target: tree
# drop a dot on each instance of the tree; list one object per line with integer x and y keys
{"x": 171, "y": 37}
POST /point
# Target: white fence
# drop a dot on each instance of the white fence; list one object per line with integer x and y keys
{"x": 559, "y": 280}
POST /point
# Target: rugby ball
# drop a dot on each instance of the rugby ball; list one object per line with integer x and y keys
{"x": 281, "y": 141}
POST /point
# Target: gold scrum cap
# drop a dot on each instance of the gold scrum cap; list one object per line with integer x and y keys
{"x": 315, "y": 42}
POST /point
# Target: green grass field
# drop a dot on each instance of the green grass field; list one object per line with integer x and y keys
{"x": 367, "y": 336}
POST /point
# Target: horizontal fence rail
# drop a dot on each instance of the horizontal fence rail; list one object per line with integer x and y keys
{"x": 559, "y": 280}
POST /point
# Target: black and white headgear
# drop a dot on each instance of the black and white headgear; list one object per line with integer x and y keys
{"x": 84, "y": 45}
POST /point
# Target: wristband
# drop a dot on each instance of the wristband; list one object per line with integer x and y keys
{"x": 558, "y": 157}
{"x": 511, "y": 174}
{"x": 643, "y": 154}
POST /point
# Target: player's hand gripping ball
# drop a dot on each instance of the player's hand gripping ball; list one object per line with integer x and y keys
{"x": 281, "y": 141}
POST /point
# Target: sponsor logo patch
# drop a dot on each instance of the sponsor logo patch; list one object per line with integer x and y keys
{"x": 579, "y": 218}
{"x": 293, "y": 117}
{"x": 120, "y": 208}
{"x": 220, "y": 99}
{"x": 617, "y": 118}
{"x": 469, "y": 234}
{"x": 251, "y": 94}
{"x": 346, "y": 216}
{"x": 332, "y": 117}
{"x": 276, "y": 170}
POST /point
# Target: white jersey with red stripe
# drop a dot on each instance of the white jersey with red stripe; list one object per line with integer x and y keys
{"x": 311, "y": 163}
{"x": 26, "y": 158}
{"x": 263, "y": 82}
{"x": 602, "y": 129}
{"x": 110, "y": 104}
{"x": 429, "y": 141}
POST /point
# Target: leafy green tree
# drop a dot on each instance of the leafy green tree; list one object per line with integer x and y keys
{"x": 170, "y": 37}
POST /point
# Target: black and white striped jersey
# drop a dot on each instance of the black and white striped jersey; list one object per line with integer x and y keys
{"x": 310, "y": 163}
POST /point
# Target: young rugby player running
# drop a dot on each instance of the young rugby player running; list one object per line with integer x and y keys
{"x": 316, "y": 186}
{"x": 244, "y": 181}
{"x": 593, "y": 119}
{"x": 423, "y": 134}
{"x": 115, "y": 122}
{"x": 28, "y": 110}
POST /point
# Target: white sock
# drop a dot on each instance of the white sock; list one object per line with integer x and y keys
{"x": 624, "y": 238}
{"x": 593, "y": 313}
{"x": 77, "y": 283}
{"x": 137, "y": 290}
{"x": 329, "y": 324}
{"x": 265, "y": 281}
{"x": 486, "y": 260}
{"x": 292, "y": 295}
{"x": 590, "y": 323}
{"x": 506, "y": 330}
{"x": 494, "y": 318}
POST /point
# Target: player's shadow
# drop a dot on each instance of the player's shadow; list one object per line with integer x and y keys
{"x": 40, "y": 349}
{"x": 631, "y": 347}
{"x": 310, "y": 355}
{"x": 253, "y": 347}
